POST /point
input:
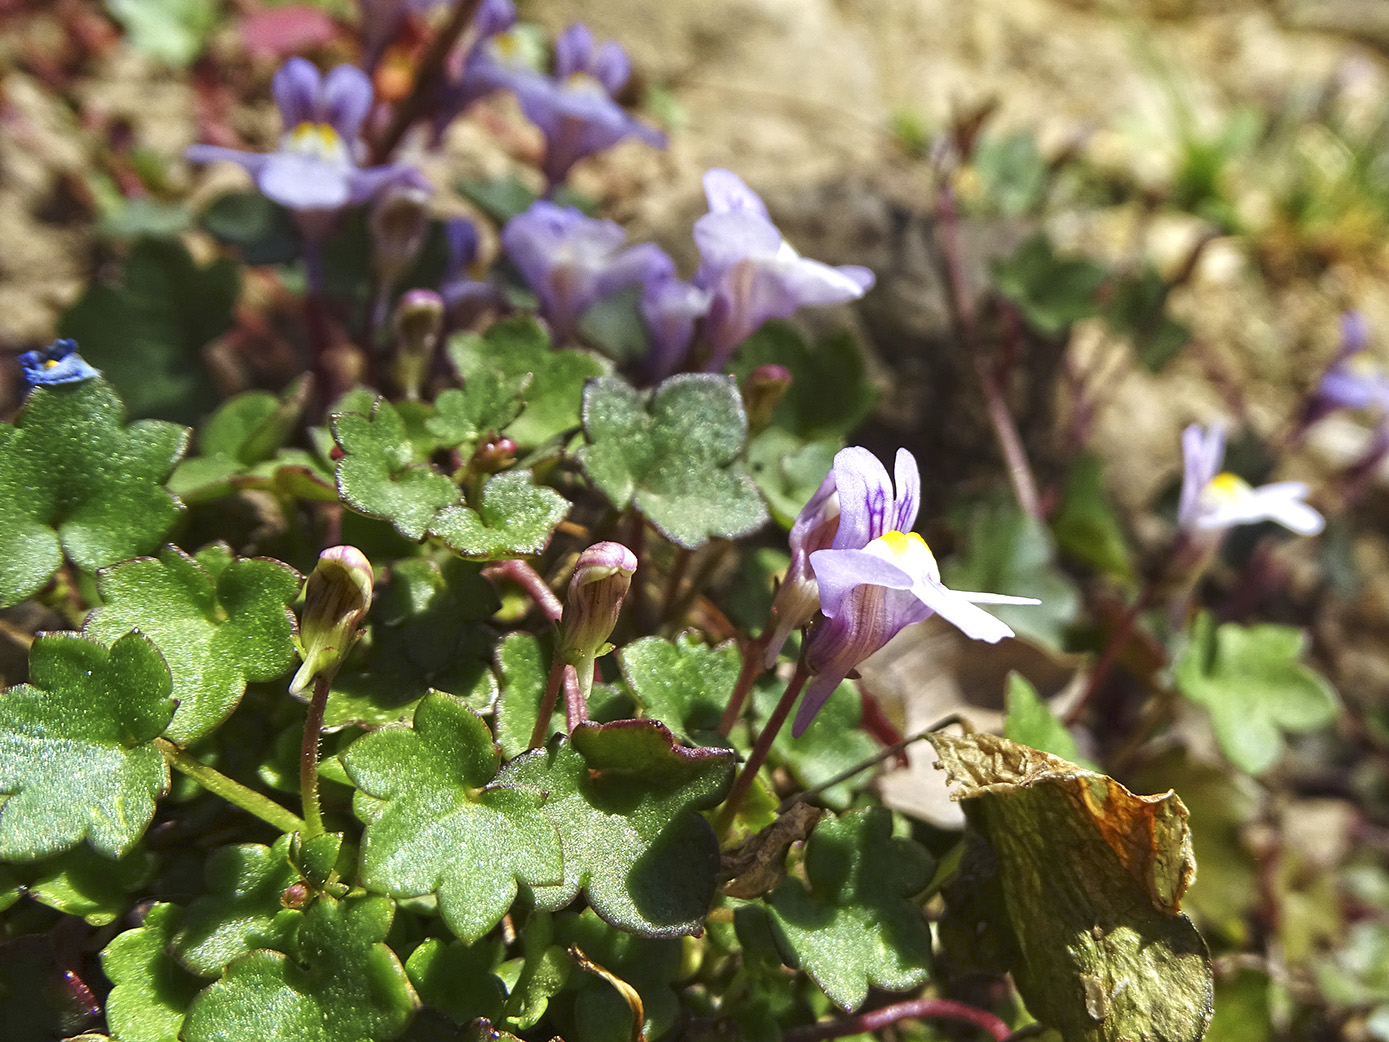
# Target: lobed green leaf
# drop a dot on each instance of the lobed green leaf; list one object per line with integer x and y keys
{"x": 77, "y": 759}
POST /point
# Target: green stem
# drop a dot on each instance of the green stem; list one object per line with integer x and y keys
{"x": 308, "y": 757}
{"x": 763, "y": 746}
{"x": 233, "y": 792}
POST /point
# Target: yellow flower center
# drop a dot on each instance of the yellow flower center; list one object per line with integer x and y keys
{"x": 1226, "y": 487}
{"x": 50, "y": 363}
{"x": 909, "y": 552}
{"x": 319, "y": 140}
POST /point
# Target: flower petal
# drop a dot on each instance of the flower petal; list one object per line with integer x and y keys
{"x": 251, "y": 162}
{"x": 959, "y": 610}
{"x": 305, "y": 182}
{"x": 345, "y": 100}
{"x": 908, "y": 491}
{"x": 837, "y": 572}
{"x": 726, "y": 191}
{"x": 866, "y": 500}
{"x": 295, "y": 88}
{"x": 1203, "y": 450}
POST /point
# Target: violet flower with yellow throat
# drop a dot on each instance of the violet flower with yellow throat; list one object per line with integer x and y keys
{"x": 878, "y": 577}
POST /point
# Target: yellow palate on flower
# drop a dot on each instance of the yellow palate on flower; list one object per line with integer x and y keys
{"x": 1226, "y": 487}
{"x": 317, "y": 139}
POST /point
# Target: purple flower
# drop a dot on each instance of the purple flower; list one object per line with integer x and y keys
{"x": 798, "y": 598}
{"x": 571, "y": 261}
{"x": 670, "y": 307}
{"x": 492, "y": 60}
{"x": 1351, "y": 381}
{"x": 315, "y": 169}
{"x": 752, "y": 272}
{"x": 576, "y": 109}
{"x": 1213, "y": 501}
{"x": 878, "y": 577}
{"x": 58, "y": 363}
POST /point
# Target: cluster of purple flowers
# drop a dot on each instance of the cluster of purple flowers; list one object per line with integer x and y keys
{"x": 748, "y": 274}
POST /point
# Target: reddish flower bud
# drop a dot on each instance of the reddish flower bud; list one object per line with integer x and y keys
{"x": 601, "y": 580}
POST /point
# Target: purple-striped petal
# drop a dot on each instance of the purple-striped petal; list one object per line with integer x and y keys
{"x": 866, "y": 500}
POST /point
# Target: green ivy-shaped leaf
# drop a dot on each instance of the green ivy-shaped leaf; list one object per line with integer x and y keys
{"x": 218, "y": 620}
{"x": 151, "y": 991}
{"x": 1031, "y": 722}
{"x": 788, "y": 471}
{"x": 1252, "y": 681}
{"x": 75, "y": 480}
{"x": 683, "y": 683}
{"x": 77, "y": 759}
{"x": 425, "y": 632}
{"x": 242, "y": 911}
{"x": 459, "y": 978}
{"x": 534, "y": 979}
{"x": 490, "y": 402}
{"x": 339, "y": 982}
{"x": 854, "y": 928}
{"x": 445, "y": 827}
{"x": 1051, "y": 291}
{"x": 383, "y": 474}
{"x": 82, "y": 882}
{"x": 673, "y": 453}
{"x": 625, "y": 799}
{"x": 514, "y": 518}
{"x": 517, "y": 348}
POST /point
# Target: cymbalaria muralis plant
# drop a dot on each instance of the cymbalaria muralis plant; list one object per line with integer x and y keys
{"x": 440, "y": 695}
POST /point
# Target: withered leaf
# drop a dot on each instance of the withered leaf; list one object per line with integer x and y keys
{"x": 757, "y": 865}
{"x": 1086, "y": 881}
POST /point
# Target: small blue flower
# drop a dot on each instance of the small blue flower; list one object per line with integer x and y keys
{"x": 58, "y": 363}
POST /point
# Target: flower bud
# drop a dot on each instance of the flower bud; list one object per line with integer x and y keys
{"x": 418, "y": 321}
{"x": 336, "y": 599}
{"x": 399, "y": 221}
{"x": 601, "y": 579}
{"x": 798, "y": 597}
{"x": 493, "y": 455}
{"x": 763, "y": 391}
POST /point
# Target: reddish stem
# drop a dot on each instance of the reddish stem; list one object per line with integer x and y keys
{"x": 763, "y": 746}
{"x": 1117, "y": 642}
{"x": 753, "y": 668}
{"x": 427, "y": 80}
{"x": 916, "y": 1009}
{"x": 523, "y": 575}
{"x": 575, "y": 705}
{"x": 548, "y": 702}
{"x": 1005, "y": 430}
